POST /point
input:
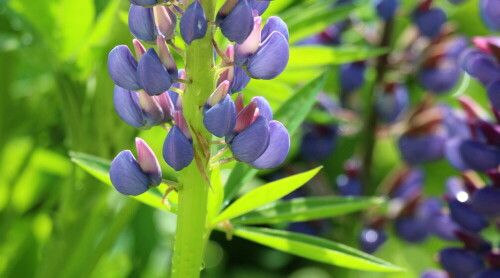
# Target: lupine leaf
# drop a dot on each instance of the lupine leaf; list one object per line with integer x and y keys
{"x": 314, "y": 56}
{"x": 99, "y": 168}
{"x": 265, "y": 194}
{"x": 304, "y": 209}
{"x": 292, "y": 113}
{"x": 315, "y": 248}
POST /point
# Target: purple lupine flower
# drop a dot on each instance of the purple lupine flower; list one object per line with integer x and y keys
{"x": 264, "y": 107}
{"x": 481, "y": 65}
{"x": 392, "y": 103}
{"x": 235, "y": 20}
{"x": 154, "y": 75}
{"x": 122, "y": 67}
{"x": 439, "y": 222}
{"x": 429, "y": 21}
{"x": 371, "y": 239}
{"x": 141, "y": 22}
{"x": 235, "y": 75}
{"x": 411, "y": 229}
{"x": 277, "y": 151}
{"x": 141, "y": 110}
{"x": 352, "y": 76}
{"x": 252, "y": 141}
{"x": 145, "y": 2}
{"x": 319, "y": 141}
{"x": 490, "y": 12}
{"x": 134, "y": 177}
{"x": 193, "y": 23}
{"x": 386, "y": 8}
{"x": 166, "y": 21}
{"x": 259, "y": 6}
{"x": 178, "y": 146}
{"x": 220, "y": 115}
{"x": 434, "y": 274}
{"x": 264, "y": 55}
{"x": 460, "y": 262}
{"x": 494, "y": 94}
{"x": 456, "y": 190}
{"x": 409, "y": 185}
{"x": 174, "y": 96}
{"x": 463, "y": 215}
{"x": 417, "y": 149}
{"x": 455, "y": 123}
{"x": 489, "y": 273}
{"x": 486, "y": 201}
{"x": 349, "y": 183}
{"x": 441, "y": 77}
{"x": 465, "y": 154}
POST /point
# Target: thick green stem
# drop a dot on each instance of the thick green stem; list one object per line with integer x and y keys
{"x": 192, "y": 231}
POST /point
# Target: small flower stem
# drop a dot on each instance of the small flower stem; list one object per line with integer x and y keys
{"x": 222, "y": 162}
{"x": 219, "y": 153}
{"x": 170, "y": 183}
{"x": 371, "y": 118}
{"x": 218, "y": 142}
{"x": 180, "y": 92}
{"x": 221, "y": 53}
{"x": 176, "y": 48}
{"x": 184, "y": 81}
{"x": 166, "y": 127}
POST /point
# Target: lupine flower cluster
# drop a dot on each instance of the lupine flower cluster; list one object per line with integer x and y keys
{"x": 149, "y": 86}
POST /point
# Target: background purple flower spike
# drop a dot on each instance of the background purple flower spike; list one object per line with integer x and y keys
{"x": 460, "y": 262}
{"x": 463, "y": 215}
{"x": 391, "y": 104}
{"x": 270, "y": 59}
{"x": 177, "y": 149}
{"x": 277, "y": 151}
{"x": 122, "y": 67}
{"x": 490, "y": 12}
{"x": 352, "y": 76}
{"x": 494, "y": 94}
{"x": 411, "y": 229}
{"x": 153, "y": 76}
{"x": 371, "y": 239}
{"x": 422, "y": 148}
{"x": 435, "y": 274}
{"x": 259, "y": 6}
{"x": 251, "y": 143}
{"x": 486, "y": 201}
{"x": 490, "y": 273}
{"x": 220, "y": 118}
{"x": 386, "y": 8}
{"x": 277, "y": 24}
{"x": 264, "y": 108}
{"x": 238, "y": 24}
{"x": 471, "y": 154}
{"x": 193, "y": 23}
{"x": 127, "y": 176}
{"x": 429, "y": 22}
{"x": 141, "y": 23}
{"x": 439, "y": 79}
{"x": 127, "y": 107}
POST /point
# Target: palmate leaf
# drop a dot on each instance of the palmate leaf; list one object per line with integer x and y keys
{"x": 99, "y": 168}
{"x": 304, "y": 209}
{"x": 314, "y": 248}
{"x": 292, "y": 113}
{"x": 265, "y": 194}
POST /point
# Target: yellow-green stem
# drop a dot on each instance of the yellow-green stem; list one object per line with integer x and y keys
{"x": 192, "y": 231}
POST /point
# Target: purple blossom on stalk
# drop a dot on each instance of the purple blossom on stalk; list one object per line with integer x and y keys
{"x": 429, "y": 21}
{"x": 220, "y": 115}
{"x": 235, "y": 19}
{"x": 264, "y": 55}
{"x": 193, "y": 23}
{"x": 463, "y": 215}
{"x": 236, "y": 76}
{"x": 371, "y": 239}
{"x": 165, "y": 21}
{"x": 434, "y": 274}
{"x": 122, "y": 67}
{"x": 319, "y": 141}
{"x": 486, "y": 201}
{"x": 386, "y": 8}
{"x": 178, "y": 146}
{"x": 439, "y": 78}
{"x": 490, "y": 12}
{"x": 134, "y": 177}
{"x": 141, "y": 22}
{"x": 460, "y": 262}
{"x": 259, "y": 5}
{"x": 157, "y": 73}
{"x": 146, "y": 2}
{"x": 421, "y": 148}
{"x": 349, "y": 183}
{"x": 392, "y": 102}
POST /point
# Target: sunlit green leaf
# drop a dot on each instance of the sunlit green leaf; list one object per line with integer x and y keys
{"x": 73, "y": 29}
{"x": 304, "y": 209}
{"x": 315, "y": 248}
{"x": 292, "y": 113}
{"x": 99, "y": 168}
{"x": 265, "y": 194}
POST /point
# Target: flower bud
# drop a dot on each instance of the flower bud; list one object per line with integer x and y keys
{"x": 141, "y": 22}
{"x": 221, "y": 118}
{"x": 349, "y": 186}
{"x": 193, "y": 23}
{"x": 319, "y": 141}
{"x": 139, "y": 48}
{"x": 490, "y": 12}
{"x": 411, "y": 229}
{"x": 429, "y": 21}
{"x": 480, "y": 65}
{"x": 386, "y": 8}
{"x": 147, "y": 161}
{"x": 153, "y": 76}
{"x": 238, "y": 23}
{"x": 165, "y": 21}
{"x": 277, "y": 151}
{"x": 167, "y": 59}
{"x": 177, "y": 149}
{"x": 219, "y": 94}
{"x": 122, "y": 68}
{"x": 460, "y": 262}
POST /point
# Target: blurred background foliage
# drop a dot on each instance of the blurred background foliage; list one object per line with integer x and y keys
{"x": 56, "y": 97}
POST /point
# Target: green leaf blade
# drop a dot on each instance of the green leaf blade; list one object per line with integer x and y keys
{"x": 304, "y": 209}
{"x": 265, "y": 194}
{"x": 315, "y": 248}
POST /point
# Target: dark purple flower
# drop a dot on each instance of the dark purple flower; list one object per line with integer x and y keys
{"x": 440, "y": 78}
{"x": 220, "y": 118}
{"x": 141, "y": 23}
{"x": 352, "y": 76}
{"x": 429, "y": 21}
{"x": 481, "y": 65}
{"x": 235, "y": 75}
{"x": 166, "y": 21}
{"x": 494, "y": 94}
{"x": 349, "y": 186}
{"x": 178, "y": 149}
{"x": 486, "y": 201}
{"x": 392, "y": 103}
{"x": 463, "y": 215}
{"x": 438, "y": 222}
{"x": 319, "y": 141}
{"x": 460, "y": 262}
{"x": 489, "y": 273}
{"x": 154, "y": 77}
{"x": 421, "y": 148}
{"x": 410, "y": 185}
{"x": 252, "y": 142}
{"x": 277, "y": 151}
{"x": 371, "y": 239}
{"x": 193, "y": 23}
{"x": 490, "y": 11}
{"x": 434, "y": 274}
{"x": 386, "y": 8}
{"x": 236, "y": 20}
{"x": 264, "y": 108}
{"x": 122, "y": 67}
{"x": 134, "y": 177}
{"x": 411, "y": 229}
{"x": 470, "y": 154}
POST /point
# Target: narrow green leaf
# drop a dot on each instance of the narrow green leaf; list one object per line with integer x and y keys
{"x": 292, "y": 113}
{"x": 216, "y": 195}
{"x": 315, "y": 56}
{"x": 304, "y": 209}
{"x": 315, "y": 248}
{"x": 99, "y": 168}
{"x": 265, "y": 194}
